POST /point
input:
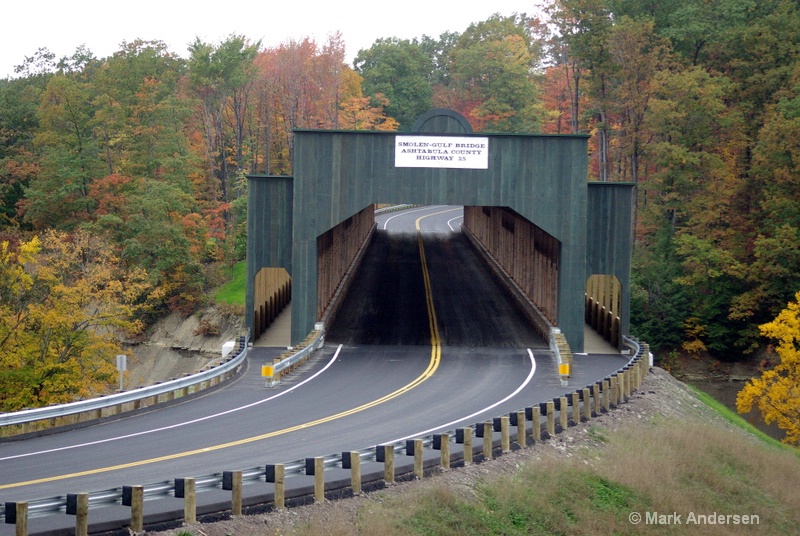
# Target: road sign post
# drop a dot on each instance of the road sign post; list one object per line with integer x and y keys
{"x": 122, "y": 366}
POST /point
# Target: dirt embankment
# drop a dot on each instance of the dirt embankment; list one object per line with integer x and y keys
{"x": 178, "y": 345}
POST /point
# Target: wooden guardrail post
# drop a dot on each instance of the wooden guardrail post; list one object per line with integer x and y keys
{"x": 550, "y": 408}
{"x": 563, "y": 413}
{"x": 385, "y": 454}
{"x": 614, "y": 392}
{"x": 316, "y": 467}
{"x": 576, "y": 407}
{"x": 232, "y": 481}
{"x": 488, "y": 440}
{"x": 505, "y": 433}
{"x": 78, "y": 506}
{"x": 628, "y": 383}
{"x": 587, "y": 404}
{"x": 464, "y": 436}
{"x": 276, "y": 376}
{"x": 133, "y": 496}
{"x": 606, "y": 392}
{"x": 418, "y": 446}
{"x": 522, "y": 434}
{"x": 536, "y": 423}
{"x": 184, "y": 489}
{"x": 596, "y": 397}
{"x": 276, "y": 474}
{"x": 17, "y": 515}
{"x": 351, "y": 460}
{"x": 441, "y": 442}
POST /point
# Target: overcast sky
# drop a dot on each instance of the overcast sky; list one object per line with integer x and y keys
{"x": 63, "y": 25}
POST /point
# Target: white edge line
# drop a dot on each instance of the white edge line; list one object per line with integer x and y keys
{"x": 462, "y": 419}
{"x": 404, "y": 212}
{"x": 452, "y": 220}
{"x": 180, "y": 424}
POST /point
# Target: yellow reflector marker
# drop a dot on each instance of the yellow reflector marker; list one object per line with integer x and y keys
{"x": 563, "y": 369}
{"x": 267, "y": 370}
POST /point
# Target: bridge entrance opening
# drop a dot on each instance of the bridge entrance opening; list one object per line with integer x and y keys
{"x": 387, "y": 301}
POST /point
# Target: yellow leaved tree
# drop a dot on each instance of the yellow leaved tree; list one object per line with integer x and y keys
{"x": 776, "y": 393}
{"x": 66, "y": 303}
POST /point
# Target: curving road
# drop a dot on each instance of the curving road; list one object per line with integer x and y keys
{"x": 426, "y": 341}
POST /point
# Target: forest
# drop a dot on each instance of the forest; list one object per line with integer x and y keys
{"x": 123, "y": 197}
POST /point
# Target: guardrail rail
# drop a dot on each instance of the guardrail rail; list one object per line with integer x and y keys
{"x": 32, "y": 421}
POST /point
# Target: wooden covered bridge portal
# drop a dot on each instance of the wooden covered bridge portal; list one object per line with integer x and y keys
{"x": 566, "y": 242}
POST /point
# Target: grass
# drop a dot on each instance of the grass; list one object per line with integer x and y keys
{"x": 233, "y": 292}
{"x": 737, "y": 420}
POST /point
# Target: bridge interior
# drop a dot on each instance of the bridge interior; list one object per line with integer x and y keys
{"x": 386, "y": 303}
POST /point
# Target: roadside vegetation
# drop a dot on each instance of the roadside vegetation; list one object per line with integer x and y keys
{"x": 233, "y": 292}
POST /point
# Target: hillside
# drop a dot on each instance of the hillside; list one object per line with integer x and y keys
{"x": 174, "y": 346}
{"x": 664, "y": 451}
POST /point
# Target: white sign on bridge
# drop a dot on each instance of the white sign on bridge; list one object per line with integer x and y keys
{"x": 441, "y": 152}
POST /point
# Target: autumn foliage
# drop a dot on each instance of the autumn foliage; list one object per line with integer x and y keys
{"x": 776, "y": 394}
{"x": 696, "y": 102}
{"x": 67, "y": 303}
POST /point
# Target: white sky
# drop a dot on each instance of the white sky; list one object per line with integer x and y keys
{"x": 63, "y": 25}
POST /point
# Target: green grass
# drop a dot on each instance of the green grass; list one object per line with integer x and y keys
{"x": 233, "y": 292}
{"x": 737, "y": 420}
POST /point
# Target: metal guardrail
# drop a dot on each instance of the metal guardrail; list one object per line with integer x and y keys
{"x": 315, "y": 344}
{"x": 94, "y": 404}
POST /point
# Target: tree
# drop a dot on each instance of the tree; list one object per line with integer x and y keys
{"x": 659, "y": 304}
{"x": 297, "y": 86}
{"x": 493, "y": 80}
{"x": 399, "y": 70}
{"x": 66, "y": 302}
{"x": 140, "y": 115}
{"x": 358, "y": 114}
{"x": 637, "y": 55}
{"x": 581, "y": 29}
{"x": 69, "y": 156}
{"x": 221, "y": 77}
{"x": 776, "y": 393}
{"x": 157, "y": 226}
{"x": 557, "y": 100}
{"x": 19, "y": 103}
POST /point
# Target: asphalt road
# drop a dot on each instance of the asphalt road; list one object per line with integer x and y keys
{"x": 425, "y": 342}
